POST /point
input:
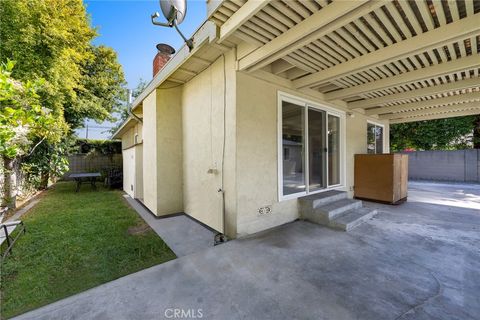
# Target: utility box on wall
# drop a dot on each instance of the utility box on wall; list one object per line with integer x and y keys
{"x": 381, "y": 177}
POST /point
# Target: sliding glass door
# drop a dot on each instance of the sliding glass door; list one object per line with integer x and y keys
{"x": 333, "y": 150}
{"x": 293, "y": 129}
{"x": 316, "y": 149}
{"x": 310, "y": 148}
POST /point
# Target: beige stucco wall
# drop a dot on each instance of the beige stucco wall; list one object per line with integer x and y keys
{"x": 204, "y": 158}
{"x": 162, "y": 151}
{"x": 184, "y": 139}
{"x": 185, "y": 142}
{"x": 257, "y": 153}
{"x": 169, "y": 151}
{"x": 138, "y": 188}
{"x": 128, "y": 158}
{"x": 133, "y": 170}
{"x": 132, "y": 160}
{"x": 128, "y": 137}
{"x": 150, "y": 152}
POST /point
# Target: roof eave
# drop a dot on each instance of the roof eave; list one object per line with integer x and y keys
{"x": 207, "y": 33}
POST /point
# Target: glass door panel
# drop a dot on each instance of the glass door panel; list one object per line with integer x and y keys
{"x": 316, "y": 149}
{"x": 333, "y": 150}
{"x": 293, "y": 123}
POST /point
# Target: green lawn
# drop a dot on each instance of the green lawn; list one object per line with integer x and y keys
{"x": 76, "y": 241}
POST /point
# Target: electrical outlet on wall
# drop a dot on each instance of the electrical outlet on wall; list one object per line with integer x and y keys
{"x": 213, "y": 169}
{"x": 264, "y": 210}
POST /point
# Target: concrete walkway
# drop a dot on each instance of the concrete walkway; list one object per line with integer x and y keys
{"x": 418, "y": 260}
{"x": 182, "y": 234}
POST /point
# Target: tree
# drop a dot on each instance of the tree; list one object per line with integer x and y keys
{"x": 22, "y": 121}
{"x": 123, "y": 113}
{"x": 51, "y": 39}
{"x": 141, "y": 86}
{"x": 102, "y": 91}
{"x": 441, "y": 134}
{"x": 48, "y": 161}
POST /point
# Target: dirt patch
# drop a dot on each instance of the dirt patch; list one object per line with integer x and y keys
{"x": 142, "y": 228}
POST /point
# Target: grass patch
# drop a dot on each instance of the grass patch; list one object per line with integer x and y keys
{"x": 76, "y": 241}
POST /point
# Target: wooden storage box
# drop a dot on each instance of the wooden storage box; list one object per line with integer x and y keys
{"x": 381, "y": 177}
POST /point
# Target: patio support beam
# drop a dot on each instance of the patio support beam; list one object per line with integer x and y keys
{"x": 466, "y": 97}
{"x": 438, "y": 109}
{"x": 453, "y": 32}
{"x": 442, "y": 69}
{"x": 424, "y": 92}
{"x": 437, "y": 116}
{"x": 326, "y": 20}
{"x": 242, "y": 15}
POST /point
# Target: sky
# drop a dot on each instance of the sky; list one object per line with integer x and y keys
{"x": 126, "y": 27}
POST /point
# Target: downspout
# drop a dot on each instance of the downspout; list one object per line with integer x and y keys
{"x": 129, "y": 108}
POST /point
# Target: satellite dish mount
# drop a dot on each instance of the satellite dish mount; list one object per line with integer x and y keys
{"x": 174, "y": 11}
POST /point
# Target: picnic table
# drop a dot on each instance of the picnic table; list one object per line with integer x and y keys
{"x": 85, "y": 177}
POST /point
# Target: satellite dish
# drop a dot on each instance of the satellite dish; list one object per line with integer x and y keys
{"x": 174, "y": 10}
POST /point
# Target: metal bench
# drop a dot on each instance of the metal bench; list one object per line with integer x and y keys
{"x": 6, "y": 230}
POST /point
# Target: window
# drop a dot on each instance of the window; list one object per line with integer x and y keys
{"x": 374, "y": 138}
{"x": 309, "y": 148}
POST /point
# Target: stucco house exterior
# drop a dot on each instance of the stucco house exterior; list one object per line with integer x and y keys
{"x": 276, "y": 98}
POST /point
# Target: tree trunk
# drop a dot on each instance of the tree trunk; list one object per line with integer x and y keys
{"x": 8, "y": 189}
{"x": 44, "y": 180}
{"x": 476, "y": 132}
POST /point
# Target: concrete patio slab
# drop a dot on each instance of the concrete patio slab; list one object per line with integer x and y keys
{"x": 418, "y": 260}
{"x": 182, "y": 234}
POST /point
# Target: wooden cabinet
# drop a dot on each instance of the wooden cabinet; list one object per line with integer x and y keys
{"x": 381, "y": 177}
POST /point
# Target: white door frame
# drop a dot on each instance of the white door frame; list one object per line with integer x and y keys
{"x": 383, "y": 134}
{"x": 282, "y": 96}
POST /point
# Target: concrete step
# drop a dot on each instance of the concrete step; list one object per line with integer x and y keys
{"x": 334, "y": 209}
{"x": 352, "y": 218}
{"x": 325, "y": 213}
{"x": 322, "y": 198}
